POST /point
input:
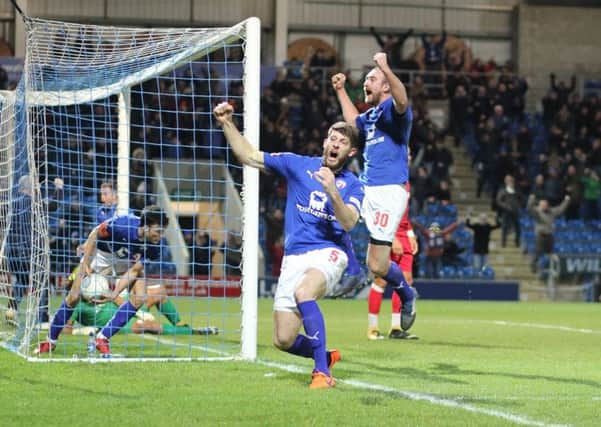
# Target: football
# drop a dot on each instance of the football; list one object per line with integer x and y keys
{"x": 94, "y": 286}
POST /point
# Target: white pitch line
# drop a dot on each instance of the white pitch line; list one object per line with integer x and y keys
{"x": 518, "y": 419}
{"x": 545, "y": 326}
{"x": 521, "y": 324}
{"x": 452, "y": 403}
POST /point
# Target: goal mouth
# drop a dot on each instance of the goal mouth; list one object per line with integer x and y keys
{"x": 125, "y": 114}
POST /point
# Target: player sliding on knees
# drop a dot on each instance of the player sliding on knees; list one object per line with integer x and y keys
{"x": 119, "y": 246}
{"x": 322, "y": 205}
{"x": 385, "y": 128}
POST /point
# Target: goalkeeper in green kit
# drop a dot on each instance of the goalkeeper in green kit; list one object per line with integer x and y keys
{"x": 91, "y": 316}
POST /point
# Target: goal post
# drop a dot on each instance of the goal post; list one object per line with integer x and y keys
{"x": 133, "y": 107}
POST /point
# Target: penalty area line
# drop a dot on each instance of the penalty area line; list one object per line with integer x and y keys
{"x": 451, "y": 403}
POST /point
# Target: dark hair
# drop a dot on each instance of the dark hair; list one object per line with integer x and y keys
{"x": 349, "y": 131}
{"x": 153, "y": 215}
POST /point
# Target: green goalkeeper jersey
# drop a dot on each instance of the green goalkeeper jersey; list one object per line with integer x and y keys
{"x": 96, "y": 315}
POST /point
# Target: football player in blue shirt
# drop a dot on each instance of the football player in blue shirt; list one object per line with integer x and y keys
{"x": 385, "y": 128}
{"x": 322, "y": 205}
{"x": 120, "y": 245}
{"x": 109, "y": 199}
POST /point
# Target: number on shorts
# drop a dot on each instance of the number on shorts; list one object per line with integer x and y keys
{"x": 333, "y": 256}
{"x": 381, "y": 219}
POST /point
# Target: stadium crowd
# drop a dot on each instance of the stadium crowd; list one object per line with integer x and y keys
{"x": 550, "y": 155}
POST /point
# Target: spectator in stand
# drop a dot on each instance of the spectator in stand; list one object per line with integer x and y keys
{"x": 442, "y": 161}
{"x": 434, "y": 246}
{"x": 482, "y": 229}
{"x": 434, "y": 51}
{"x": 354, "y": 88}
{"x": 544, "y": 218}
{"x": 275, "y": 247}
{"x": 202, "y": 251}
{"x": 451, "y": 252}
{"x": 393, "y": 46}
{"x": 551, "y": 106}
{"x": 232, "y": 254}
{"x": 422, "y": 188}
{"x": 522, "y": 179}
{"x": 538, "y": 189}
{"x": 554, "y": 187}
{"x": 509, "y": 202}
{"x": 459, "y": 109}
{"x": 561, "y": 89}
{"x": 444, "y": 193}
{"x": 523, "y": 143}
{"x": 433, "y": 56}
{"x": 140, "y": 183}
{"x": 485, "y": 162}
{"x": 573, "y": 187}
{"x": 418, "y": 94}
{"x": 481, "y": 104}
{"x": 591, "y": 195}
{"x": 594, "y": 157}
{"x": 500, "y": 126}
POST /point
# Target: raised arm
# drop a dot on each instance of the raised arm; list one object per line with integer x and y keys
{"x": 397, "y": 89}
{"x": 349, "y": 111}
{"x": 244, "y": 151}
{"x": 379, "y": 39}
{"x": 346, "y": 215}
{"x": 558, "y": 210}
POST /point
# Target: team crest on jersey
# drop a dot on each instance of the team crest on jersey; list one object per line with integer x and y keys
{"x": 340, "y": 184}
{"x": 317, "y": 200}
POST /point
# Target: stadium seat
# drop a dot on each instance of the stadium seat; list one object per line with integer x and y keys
{"x": 487, "y": 272}
{"x": 448, "y": 272}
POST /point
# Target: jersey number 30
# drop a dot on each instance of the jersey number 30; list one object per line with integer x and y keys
{"x": 381, "y": 219}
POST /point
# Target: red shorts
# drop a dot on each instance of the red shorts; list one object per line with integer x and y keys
{"x": 405, "y": 260}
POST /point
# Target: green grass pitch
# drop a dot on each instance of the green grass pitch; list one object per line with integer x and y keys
{"x": 475, "y": 364}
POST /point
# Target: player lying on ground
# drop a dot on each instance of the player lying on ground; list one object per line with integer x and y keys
{"x": 121, "y": 245}
{"x": 92, "y": 316}
{"x": 385, "y": 129}
{"x": 322, "y": 205}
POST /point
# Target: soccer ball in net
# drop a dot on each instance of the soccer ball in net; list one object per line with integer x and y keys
{"x": 94, "y": 286}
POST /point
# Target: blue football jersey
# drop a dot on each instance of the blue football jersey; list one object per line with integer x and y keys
{"x": 310, "y": 220}
{"x": 105, "y": 212}
{"x": 386, "y": 135}
{"x": 119, "y": 236}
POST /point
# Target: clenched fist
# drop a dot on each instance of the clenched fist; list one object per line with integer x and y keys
{"x": 223, "y": 112}
{"x": 338, "y": 81}
{"x": 381, "y": 60}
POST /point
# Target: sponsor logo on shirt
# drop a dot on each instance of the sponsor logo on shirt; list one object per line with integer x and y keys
{"x": 317, "y": 206}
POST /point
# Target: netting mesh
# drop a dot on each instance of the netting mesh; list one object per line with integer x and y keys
{"x": 119, "y": 119}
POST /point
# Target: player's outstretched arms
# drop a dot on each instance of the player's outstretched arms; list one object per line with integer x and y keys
{"x": 244, "y": 151}
{"x": 349, "y": 111}
{"x": 397, "y": 88}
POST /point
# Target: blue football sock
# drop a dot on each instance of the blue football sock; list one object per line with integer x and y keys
{"x": 301, "y": 347}
{"x": 397, "y": 281}
{"x": 121, "y": 317}
{"x": 353, "y": 267}
{"x": 316, "y": 333}
{"x": 60, "y": 319}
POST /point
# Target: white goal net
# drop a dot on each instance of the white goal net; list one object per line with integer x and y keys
{"x": 107, "y": 121}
